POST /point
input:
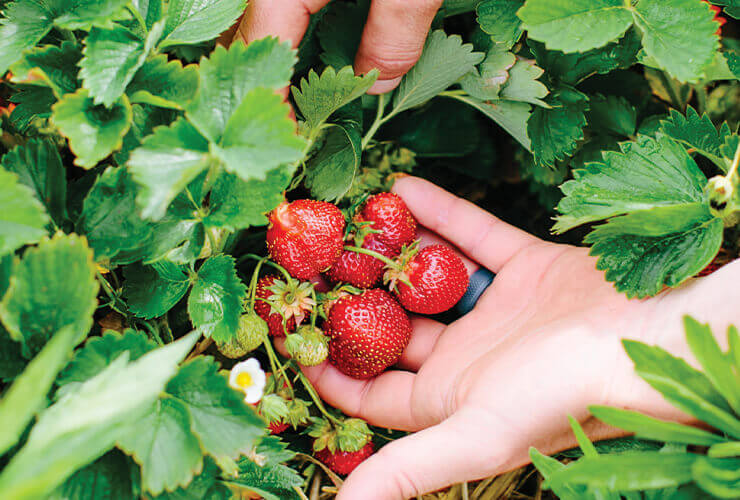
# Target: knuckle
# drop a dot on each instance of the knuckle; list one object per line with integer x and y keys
{"x": 391, "y": 61}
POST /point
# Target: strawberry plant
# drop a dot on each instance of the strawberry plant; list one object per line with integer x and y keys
{"x": 164, "y": 218}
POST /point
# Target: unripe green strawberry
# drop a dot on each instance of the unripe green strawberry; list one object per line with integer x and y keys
{"x": 308, "y": 346}
{"x": 252, "y": 331}
{"x": 232, "y": 349}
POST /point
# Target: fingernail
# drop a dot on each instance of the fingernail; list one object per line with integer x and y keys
{"x": 384, "y": 86}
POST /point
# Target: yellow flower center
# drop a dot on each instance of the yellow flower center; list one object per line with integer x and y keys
{"x": 244, "y": 380}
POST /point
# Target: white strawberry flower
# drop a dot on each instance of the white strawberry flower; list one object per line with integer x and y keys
{"x": 249, "y": 378}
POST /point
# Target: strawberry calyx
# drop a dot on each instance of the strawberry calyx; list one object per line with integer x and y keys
{"x": 403, "y": 264}
{"x": 292, "y": 299}
{"x": 349, "y": 435}
{"x": 328, "y": 299}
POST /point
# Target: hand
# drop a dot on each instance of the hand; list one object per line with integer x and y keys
{"x": 543, "y": 342}
{"x": 392, "y": 41}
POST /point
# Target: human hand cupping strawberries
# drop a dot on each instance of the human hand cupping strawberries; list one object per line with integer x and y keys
{"x": 542, "y": 343}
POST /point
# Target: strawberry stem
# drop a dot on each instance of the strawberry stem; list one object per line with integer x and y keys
{"x": 275, "y": 365}
{"x": 316, "y": 399}
{"x": 390, "y": 263}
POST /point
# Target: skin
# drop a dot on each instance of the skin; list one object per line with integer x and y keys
{"x": 391, "y": 42}
{"x": 543, "y": 342}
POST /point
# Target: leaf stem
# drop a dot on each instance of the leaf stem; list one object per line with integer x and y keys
{"x": 379, "y": 120}
{"x": 316, "y": 399}
{"x": 732, "y": 173}
{"x": 371, "y": 253}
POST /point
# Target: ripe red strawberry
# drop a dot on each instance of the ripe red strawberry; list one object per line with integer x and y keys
{"x": 359, "y": 269}
{"x": 389, "y": 214}
{"x": 367, "y": 332}
{"x": 344, "y": 462}
{"x": 278, "y": 299}
{"x": 277, "y": 427}
{"x": 305, "y": 237}
{"x": 438, "y": 276}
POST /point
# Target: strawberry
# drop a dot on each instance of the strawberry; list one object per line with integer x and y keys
{"x": 279, "y": 407}
{"x": 359, "y": 269}
{"x": 389, "y": 215}
{"x": 437, "y": 275}
{"x": 342, "y": 446}
{"x": 367, "y": 332}
{"x": 308, "y": 346}
{"x": 232, "y": 349}
{"x": 305, "y": 237}
{"x": 344, "y": 462}
{"x": 252, "y": 331}
{"x": 283, "y": 305}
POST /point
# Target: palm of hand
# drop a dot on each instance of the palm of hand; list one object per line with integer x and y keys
{"x": 542, "y": 343}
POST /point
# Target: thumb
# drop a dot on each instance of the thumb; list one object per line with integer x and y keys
{"x": 436, "y": 457}
{"x": 393, "y": 39}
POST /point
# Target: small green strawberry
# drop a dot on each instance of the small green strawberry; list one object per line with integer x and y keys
{"x": 252, "y": 331}
{"x": 232, "y": 349}
{"x": 308, "y": 346}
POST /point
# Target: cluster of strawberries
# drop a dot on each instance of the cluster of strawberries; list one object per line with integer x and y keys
{"x": 365, "y": 329}
{"x": 378, "y": 271}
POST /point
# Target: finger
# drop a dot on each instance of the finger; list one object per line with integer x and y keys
{"x": 384, "y": 400}
{"x": 393, "y": 39}
{"x": 425, "y": 332}
{"x": 286, "y": 19}
{"x": 481, "y": 236}
{"x": 429, "y": 238}
{"x": 436, "y": 457}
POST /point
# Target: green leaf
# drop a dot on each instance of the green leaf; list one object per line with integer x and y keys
{"x": 23, "y": 218}
{"x": 646, "y": 250}
{"x": 229, "y": 75}
{"x": 275, "y": 482}
{"x": 190, "y": 22}
{"x": 99, "y": 352}
{"x": 112, "y": 477}
{"x": 109, "y": 218}
{"x": 33, "y": 103}
{"x": 12, "y": 361}
{"x": 511, "y": 116}
{"x": 112, "y": 57}
{"x": 340, "y": 31}
{"x": 165, "y": 447}
{"x": 145, "y": 119}
{"x": 684, "y": 387}
{"x": 150, "y": 11}
{"x": 547, "y": 466}
{"x": 522, "y": 84}
{"x": 684, "y": 53}
{"x": 259, "y": 137}
{"x": 206, "y": 485}
{"x": 94, "y": 131}
{"x": 165, "y": 163}
{"x": 574, "y": 67}
{"x": 165, "y": 84}
{"x": 28, "y": 393}
{"x": 724, "y": 450}
{"x": 651, "y": 428}
{"x": 612, "y": 115}
{"x": 717, "y": 365}
{"x": 498, "y": 18}
{"x": 68, "y": 298}
{"x": 151, "y": 291}
{"x": 555, "y": 132}
{"x": 236, "y": 204}
{"x": 720, "y": 478}
{"x": 84, "y": 14}
{"x": 55, "y": 67}
{"x": 24, "y": 25}
{"x": 320, "y": 96}
{"x": 629, "y": 471}
{"x": 443, "y": 61}
{"x": 85, "y": 423}
{"x": 699, "y": 133}
{"x": 331, "y": 171}
{"x": 575, "y": 25}
{"x": 38, "y": 165}
{"x": 215, "y": 303}
{"x": 647, "y": 173}
{"x": 225, "y": 424}
{"x": 485, "y": 82}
